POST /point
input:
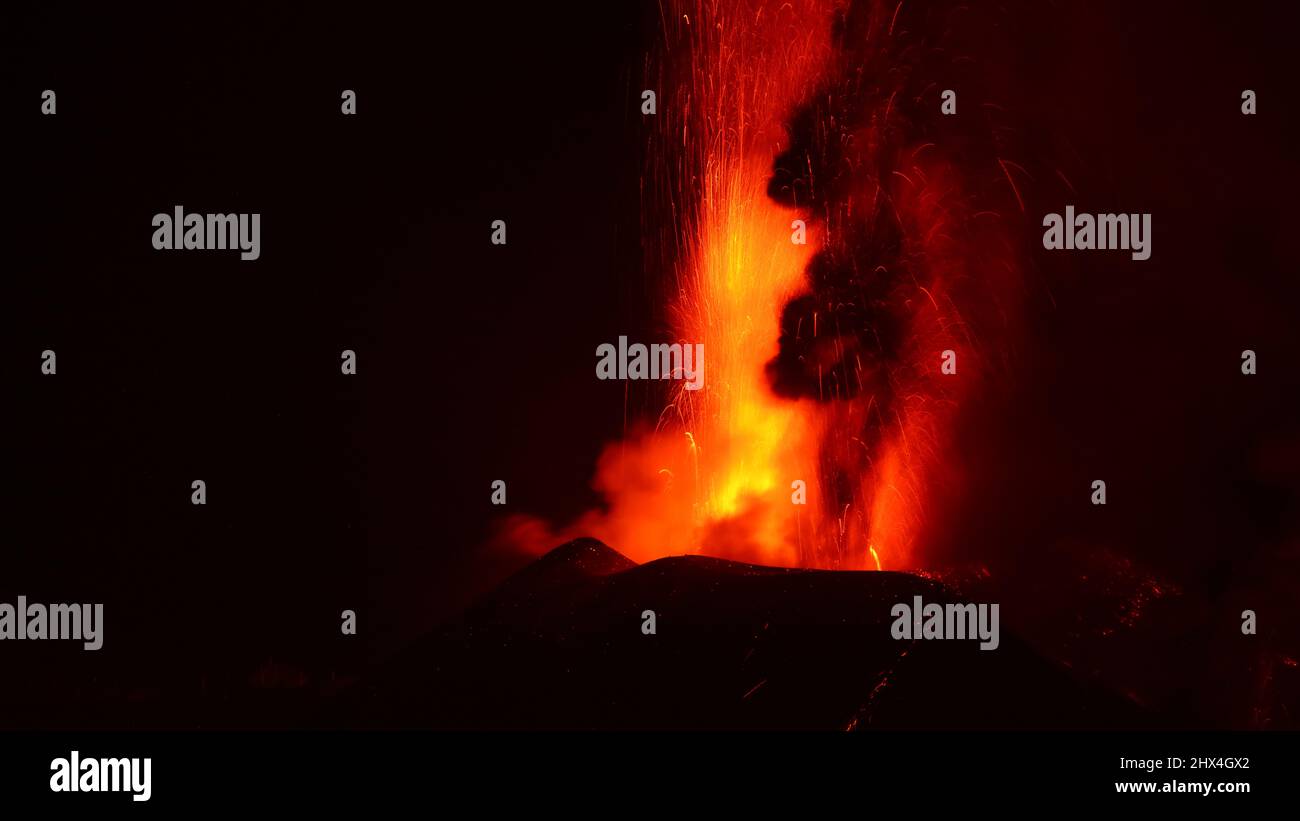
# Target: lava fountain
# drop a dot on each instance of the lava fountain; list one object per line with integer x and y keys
{"x": 818, "y": 245}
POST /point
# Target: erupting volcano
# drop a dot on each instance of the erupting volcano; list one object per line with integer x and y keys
{"x": 831, "y": 259}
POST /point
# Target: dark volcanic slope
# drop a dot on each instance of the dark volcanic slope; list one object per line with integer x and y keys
{"x": 560, "y": 645}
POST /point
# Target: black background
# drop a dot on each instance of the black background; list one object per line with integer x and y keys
{"x": 325, "y": 492}
{"x": 371, "y": 493}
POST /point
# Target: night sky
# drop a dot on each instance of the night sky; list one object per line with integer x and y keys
{"x": 475, "y": 362}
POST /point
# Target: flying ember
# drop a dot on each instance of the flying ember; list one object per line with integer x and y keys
{"x": 810, "y": 239}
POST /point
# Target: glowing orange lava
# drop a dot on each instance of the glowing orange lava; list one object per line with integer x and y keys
{"x": 724, "y": 469}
